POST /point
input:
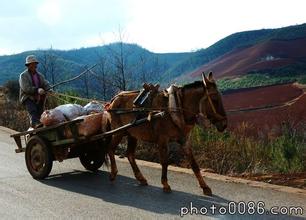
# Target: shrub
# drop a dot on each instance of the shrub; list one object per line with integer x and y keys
{"x": 288, "y": 152}
{"x": 237, "y": 152}
{"x": 13, "y": 89}
{"x": 225, "y": 152}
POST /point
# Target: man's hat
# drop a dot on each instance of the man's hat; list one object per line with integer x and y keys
{"x": 31, "y": 59}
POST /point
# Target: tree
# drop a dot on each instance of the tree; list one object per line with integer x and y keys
{"x": 102, "y": 74}
{"x": 49, "y": 65}
{"x": 143, "y": 70}
{"x": 118, "y": 57}
{"x": 150, "y": 68}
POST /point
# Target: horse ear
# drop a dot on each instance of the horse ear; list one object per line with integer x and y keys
{"x": 204, "y": 79}
{"x": 210, "y": 77}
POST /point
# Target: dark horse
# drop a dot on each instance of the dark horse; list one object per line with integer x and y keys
{"x": 197, "y": 99}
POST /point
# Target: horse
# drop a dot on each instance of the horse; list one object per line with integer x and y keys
{"x": 197, "y": 99}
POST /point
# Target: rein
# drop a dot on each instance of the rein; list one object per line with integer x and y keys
{"x": 266, "y": 107}
{"x": 167, "y": 109}
{"x": 141, "y": 109}
{"x": 217, "y": 115}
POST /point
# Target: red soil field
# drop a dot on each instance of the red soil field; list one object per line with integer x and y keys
{"x": 278, "y": 104}
{"x": 269, "y": 54}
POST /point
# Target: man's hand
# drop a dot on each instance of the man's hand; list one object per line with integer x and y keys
{"x": 41, "y": 91}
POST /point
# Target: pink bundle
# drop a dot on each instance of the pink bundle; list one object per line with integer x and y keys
{"x": 52, "y": 117}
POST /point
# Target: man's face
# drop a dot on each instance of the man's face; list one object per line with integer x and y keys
{"x": 32, "y": 67}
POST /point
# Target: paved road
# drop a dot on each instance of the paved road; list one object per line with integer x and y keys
{"x": 71, "y": 193}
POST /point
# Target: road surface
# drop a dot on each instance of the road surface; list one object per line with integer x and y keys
{"x": 71, "y": 192}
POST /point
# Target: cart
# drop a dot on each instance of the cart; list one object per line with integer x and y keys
{"x": 47, "y": 144}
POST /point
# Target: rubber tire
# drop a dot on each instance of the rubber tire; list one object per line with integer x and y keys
{"x": 92, "y": 160}
{"x": 45, "y": 156}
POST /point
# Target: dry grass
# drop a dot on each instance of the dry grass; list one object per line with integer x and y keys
{"x": 14, "y": 116}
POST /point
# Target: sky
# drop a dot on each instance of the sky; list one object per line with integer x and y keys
{"x": 160, "y": 26}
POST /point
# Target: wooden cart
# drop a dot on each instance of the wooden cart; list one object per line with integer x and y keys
{"x": 47, "y": 144}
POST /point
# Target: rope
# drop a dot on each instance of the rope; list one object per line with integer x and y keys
{"x": 57, "y": 97}
{"x": 57, "y": 94}
{"x": 262, "y": 108}
{"x": 267, "y": 107}
{"x": 130, "y": 110}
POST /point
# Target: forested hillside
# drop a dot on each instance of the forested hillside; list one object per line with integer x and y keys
{"x": 122, "y": 66}
{"x": 119, "y": 66}
{"x": 235, "y": 41}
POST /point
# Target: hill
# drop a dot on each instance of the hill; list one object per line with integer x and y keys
{"x": 277, "y": 54}
{"x": 262, "y": 57}
{"x": 247, "y": 48}
{"x": 72, "y": 61}
{"x": 137, "y": 63}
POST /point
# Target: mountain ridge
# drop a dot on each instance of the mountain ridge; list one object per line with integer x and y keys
{"x": 165, "y": 68}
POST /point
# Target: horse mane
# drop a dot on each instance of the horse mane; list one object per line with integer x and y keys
{"x": 198, "y": 84}
{"x": 192, "y": 85}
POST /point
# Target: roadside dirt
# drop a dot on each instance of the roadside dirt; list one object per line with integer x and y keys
{"x": 296, "y": 180}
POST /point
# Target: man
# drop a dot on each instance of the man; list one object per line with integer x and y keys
{"x": 33, "y": 87}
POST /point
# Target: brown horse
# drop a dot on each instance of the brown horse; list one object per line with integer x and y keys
{"x": 196, "y": 100}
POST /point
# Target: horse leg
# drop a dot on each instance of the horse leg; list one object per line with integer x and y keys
{"x": 131, "y": 147}
{"x": 195, "y": 168}
{"x": 111, "y": 153}
{"x": 163, "y": 155}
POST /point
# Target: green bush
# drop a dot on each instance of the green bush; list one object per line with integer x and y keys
{"x": 253, "y": 80}
{"x": 288, "y": 152}
{"x": 238, "y": 153}
{"x": 302, "y": 80}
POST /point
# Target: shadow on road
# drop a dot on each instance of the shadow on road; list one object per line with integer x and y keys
{"x": 126, "y": 191}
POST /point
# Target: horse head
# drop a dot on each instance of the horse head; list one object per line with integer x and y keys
{"x": 211, "y": 104}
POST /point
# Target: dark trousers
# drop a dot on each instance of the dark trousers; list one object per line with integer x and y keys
{"x": 35, "y": 110}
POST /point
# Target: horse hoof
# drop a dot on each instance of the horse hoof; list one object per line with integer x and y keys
{"x": 112, "y": 178}
{"x": 167, "y": 189}
{"x": 143, "y": 183}
{"x": 207, "y": 191}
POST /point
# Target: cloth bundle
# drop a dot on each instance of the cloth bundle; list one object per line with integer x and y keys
{"x": 92, "y": 115}
{"x": 52, "y": 117}
{"x": 61, "y": 113}
{"x": 93, "y": 107}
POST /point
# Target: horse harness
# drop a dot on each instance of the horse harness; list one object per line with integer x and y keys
{"x": 143, "y": 104}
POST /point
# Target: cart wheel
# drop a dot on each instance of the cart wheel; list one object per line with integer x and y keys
{"x": 38, "y": 158}
{"x": 92, "y": 160}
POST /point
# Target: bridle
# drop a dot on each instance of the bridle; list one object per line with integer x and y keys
{"x": 205, "y": 87}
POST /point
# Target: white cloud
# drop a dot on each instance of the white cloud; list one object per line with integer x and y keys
{"x": 49, "y": 12}
{"x": 158, "y": 25}
{"x": 184, "y": 25}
